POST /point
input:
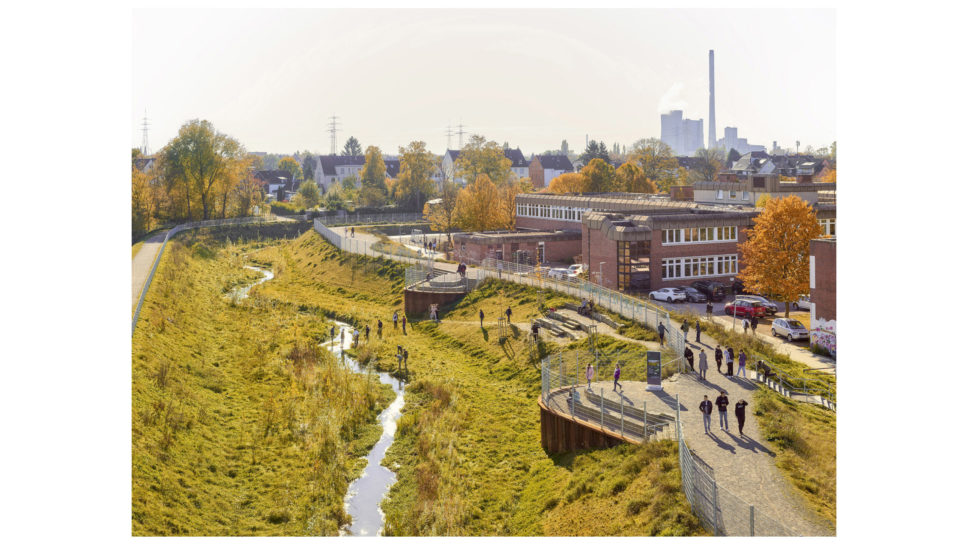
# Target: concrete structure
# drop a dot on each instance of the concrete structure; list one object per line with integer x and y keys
{"x": 712, "y": 101}
{"x": 731, "y": 140}
{"x": 525, "y": 247}
{"x": 746, "y": 190}
{"x": 823, "y": 293}
{"x": 544, "y": 168}
{"x": 684, "y": 136}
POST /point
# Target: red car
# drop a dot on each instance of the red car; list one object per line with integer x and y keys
{"x": 744, "y": 309}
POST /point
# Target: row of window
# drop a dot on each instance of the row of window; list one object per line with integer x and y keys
{"x": 697, "y": 267}
{"x": 829, "y": 226}
{"x": 732, "y": 195}
{"x": 699, "y": 234}
{"x": 547, "y": 211}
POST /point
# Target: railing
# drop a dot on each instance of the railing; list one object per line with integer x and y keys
{"x": 358, "y": 219}
{"x": 174, "y": 231}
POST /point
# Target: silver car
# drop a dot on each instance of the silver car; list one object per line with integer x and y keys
{"x": 789, "y": 328}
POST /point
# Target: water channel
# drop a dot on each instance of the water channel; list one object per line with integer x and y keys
{"x": 363, "y": 497}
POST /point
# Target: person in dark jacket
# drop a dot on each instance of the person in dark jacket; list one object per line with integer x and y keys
{"x": 508, "y": 313}
{"x": 481, "y": 314}
{"x": 753, "y": 323}
{"x": 741, "y": 414}
{"x": 616, "y": 375}
{"x": 534, "y": 331}
{"x": 366, "y": 332}
{"x": 403, "y": 321}
{"x": 719, "y": 359}
{"x": 685, "y": 329}
{"x": 722, "y": 403}
{"x": 709, "y": 308}
{"x": 698, "y": 330}
{"x": 729, "y": 361}
{"x": 688, "y": 355}
{"x": 706, "y": 408}
{"x": 662, "y": 330}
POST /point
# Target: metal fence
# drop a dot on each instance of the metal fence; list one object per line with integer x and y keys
{"x": 174, "y": 231}
{"x": 358, "y": 219}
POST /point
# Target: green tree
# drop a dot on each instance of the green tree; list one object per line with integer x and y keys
{"x": 308, "y": 167}
{"x": 414, "y": 185}
{"x": 291, "y": 166}
{"x": 630, "y": 178}
{"x": 309, "y": 192}
{"x": 732, "y": 156}
{"x": 352, "y": 147}
{"x": 600, "y": 176}
{"x": 141, "y": 213}
{"x": 594, "y": 150}
{"x": 656, "y": 160}
{"x": 195, "y": 161}
{"x": 710, "y": 163}
{"x": 373, "y": 179}
{"x": 482, "y": 157}
{"x": 440, "y": 212}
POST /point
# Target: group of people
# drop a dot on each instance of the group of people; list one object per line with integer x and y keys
{"x": 685, "y": 330}
{"x": 722, "y": 404}
{"x": 730, "y": 356}
{"x": 430, "y": 246}
{"x": 352, "y": 231}
{"x": 586, "y": 308}
{"x": 462, "y": 269}
{"x": 402, "y": 356}
{"x": 750, "y": 323}
{"x": 396, "y": 318}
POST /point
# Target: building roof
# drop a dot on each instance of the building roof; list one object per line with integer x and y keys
{"x": 331, "y": 162}
{"x": 517, "y": 158}
{"x": 555, "y": 162}
{"x": 278, "y": 176}
{"x": 393, "y": 166}
{"x": 144, "y": 163}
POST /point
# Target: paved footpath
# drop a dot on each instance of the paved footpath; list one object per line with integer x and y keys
{"x": 141, "y": 265}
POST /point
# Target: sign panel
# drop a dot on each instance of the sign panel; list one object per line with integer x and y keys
{"x": 653, "y": 360}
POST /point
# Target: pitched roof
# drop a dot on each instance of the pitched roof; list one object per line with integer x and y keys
{"x": 144, "y": 163}
{"x": 555, "y": 162}
{"x": 330, "y": 162}
{"x": 267, "y": 177}
{"x": 515, "y": 155}
{"x": 393, "y": 166}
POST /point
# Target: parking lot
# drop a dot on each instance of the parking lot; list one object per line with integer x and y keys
{"x": 763, "y": 327}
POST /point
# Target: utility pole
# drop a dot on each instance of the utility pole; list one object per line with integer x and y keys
{"x": 144, "y": 134}
{"x": 450, "y": 133}
{"x": 333, "y": 127}
{"x": 460, "y": 135}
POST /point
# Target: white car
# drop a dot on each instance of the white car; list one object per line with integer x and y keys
{"x": 803, "y": 303}
{"x": 789, "y": 328}
{"x": 559, "y": 273}
{"x": 576, "y": 269}
{"x": 668, "y": 295}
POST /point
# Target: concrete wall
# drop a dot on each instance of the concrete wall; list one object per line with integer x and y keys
{"x": 564, "y": 434}
{"x": 416, "y": 303}
{"x": 555, "y": 250}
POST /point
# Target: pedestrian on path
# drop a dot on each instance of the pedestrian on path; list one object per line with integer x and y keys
{"x": 379, "y": 328}
{"x": 703, "y": 366}
{"x": 719, "y": 359}
{"x": 481, "y": 314}
{"x": 662, "y": 330}
{"x": 698, "y": 330}
{"x": 618, "y": 372}
{"x": 685, "y": 329}
{"x": 356, "y": 337}
{"x": 395, "y": 318}
{"x": 534, "y": 332}
{"x": 709, "y": 309}
{"x": 722, "y": 402}
{"x": 741, "y": 414}
{"x": 589, "y": 375}
{"x": 404, "y": 322}
{"x": 332, "y": 333}
{"x": 746, "y": 326}
{"x": 352, "y": 232}
{"x": 406, "y": 356}
{"x": 508, "y": 313}
{"x": 706, "y": 408}
{"x": 366, "y": 332}
{"x": 742, "y": 363}
{"x": 399, "y": 357}
{"x": 687, "y": 353}
{"x": 341, "y": 330}
{"x": 729, "y": 361}
{"x": 753, "y": 323}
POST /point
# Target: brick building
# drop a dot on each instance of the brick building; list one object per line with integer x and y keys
{"x": 544, "y": 168}
{"x": 527, "y": 247}
{"x": 823, "y": 293}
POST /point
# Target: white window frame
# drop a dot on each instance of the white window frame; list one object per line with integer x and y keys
{"x": 707, "y": 266}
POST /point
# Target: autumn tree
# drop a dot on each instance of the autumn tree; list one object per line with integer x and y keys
{"x": 141, "y": 210}
{"x": 507, "y": 212}
{"x": 291, "y": 166}
{"x": 657, "y": 161}
{"x": 441, "y": 211}
{"x": 594, "y": 150}
{"x": 246, "y": 194}
{"x": 477, "y": 204}
{"x": 415, "y": 184}
{"x": 352, "y": 147}
{"x": 630, "y": 178}
{"x": 196, "y": 161}
{"x": 482, "y": 157}
{"x": 829, "y": 176}
{"x": 373, "y": 178}
{"x": 600, "y": 176}
{"x": 309, "y": 194}
{"x": 710, "y": 163}
{"x": 569, "y": 182}
{"x": 776, "y": 253}
{"x": 309, "y": 168}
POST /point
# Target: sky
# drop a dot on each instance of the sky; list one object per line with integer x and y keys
{"x": 532, "y": 78}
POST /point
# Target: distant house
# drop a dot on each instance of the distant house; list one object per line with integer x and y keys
{"x": 144, "y": 164}
{"x": 519, "y": 165}
{"x": 393, "y": 166}
{"x": 274, "y": 180}
{"x": 331, "y": 169}
{"x": 544, "y": 168}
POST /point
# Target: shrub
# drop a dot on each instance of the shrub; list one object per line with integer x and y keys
{"x": 286, "y": 208}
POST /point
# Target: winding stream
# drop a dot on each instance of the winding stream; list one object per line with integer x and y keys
{"x": 363, "y": 497}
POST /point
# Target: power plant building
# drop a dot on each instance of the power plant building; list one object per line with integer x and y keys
{"x": 684, "y": 136}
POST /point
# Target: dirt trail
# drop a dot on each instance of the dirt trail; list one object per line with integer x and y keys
{"x": 141, "y": 265}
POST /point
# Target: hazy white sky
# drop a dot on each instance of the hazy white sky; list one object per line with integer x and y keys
{"x": 271, "y": 78}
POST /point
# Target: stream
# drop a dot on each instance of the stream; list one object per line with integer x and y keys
{"x": 363, "y": 497}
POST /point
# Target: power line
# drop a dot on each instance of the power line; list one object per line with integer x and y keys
{"x": 333, "y": 127}
{"x": 460, "y": 135}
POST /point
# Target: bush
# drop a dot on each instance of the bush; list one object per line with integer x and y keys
{"x": 286, "y": 208}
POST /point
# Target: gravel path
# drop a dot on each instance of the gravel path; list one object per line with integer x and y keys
{"x": 141, "y": 265}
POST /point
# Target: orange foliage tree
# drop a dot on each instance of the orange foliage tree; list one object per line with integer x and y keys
{"x": 631, "y": 178}
{"x": 569, "y": 182}
{"x": 479, "y": 206}
{"x": 829, "y": 176}
{"x": 776, "y": 254}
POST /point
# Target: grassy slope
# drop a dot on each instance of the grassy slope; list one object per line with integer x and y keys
{"x": 468, "y": 452}
{"x": 240, "y": 425}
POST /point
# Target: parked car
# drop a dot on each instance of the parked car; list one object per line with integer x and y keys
{"x": 559, "y": 273}
{"x": 715, "y": 291}
{"x": 803, "y": 303}
{"x": 668, "y": 295}
{"x": 771, "y": 307}
{"x": 577, "y": 268}
{"x": 742, "y": 308}
{"x": 693, "y": 295}
{"x": 789, "y": 328}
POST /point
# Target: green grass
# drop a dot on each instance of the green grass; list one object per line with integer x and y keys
{"x": 241, "y": 425}
{"x": 804, "y": 437}
{"x": 468, "y": 452}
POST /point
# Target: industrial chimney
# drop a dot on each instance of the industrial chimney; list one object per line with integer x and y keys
{"x": 712, "y": 102}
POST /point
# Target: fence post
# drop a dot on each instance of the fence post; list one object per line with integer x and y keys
{"x": 601, "y": 403}
{"x": 752, "y": 526}
{"x": 622, "y": 405}
{"x": 677, "y": 418}
{"x": 645, "y": 424}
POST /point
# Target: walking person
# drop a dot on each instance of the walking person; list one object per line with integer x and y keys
{"x": 662, "y": 330}
{"x": 404, "y": 322}
{"x": 742, "y": 363}
{"x": 698, "y": 329}
{"x": 706, "y": 408}
{"x": 589, "y": 375}
{"x": 399, "y": 357}
{"x": 753, "y": 323}
{"x": 366, "y": 332}
{"x": 332, "y": 334}
{"x": 406, "y": 356}
{"x": 709, "y": 309}
{"x": 746, "y": 326}
{"x": 481, "y": 315}
{"x": 729, "y": 361}
{"x": 508, "y": 313}
{"x": 379, "y": 329}
{"x": 618, "y": 372}
{"x": 356, "y": 337}
{"x": 741, "y": 414}
{"x": 703, "y": 366}
{"x": 722, "y": 402}
{"x": 534, "y": 332}
{"x": 687, "y": 353}
{"x": 395, "y": 318}
{"x": 352, "y": 232}
{"x": 719, "y": 359}
{"x": 685, "y": 330}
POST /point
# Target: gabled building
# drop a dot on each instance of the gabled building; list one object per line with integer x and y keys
{"x": 519, "y": 165}
{"x": 544, "y": 168}
{"x": 274, "y": 180}
{"x": 331, "y": 169}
